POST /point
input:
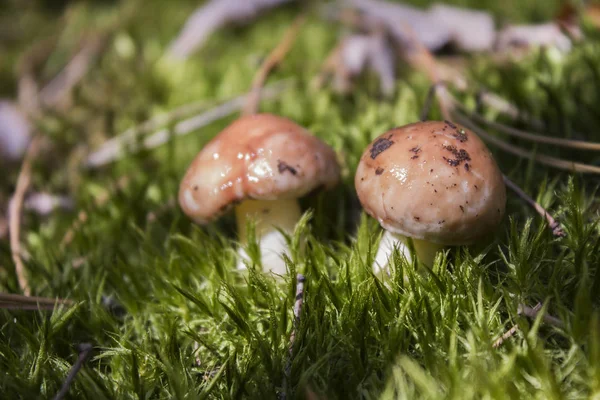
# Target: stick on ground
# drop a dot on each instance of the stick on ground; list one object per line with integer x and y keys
{"x": 85, "y": 349}
{"x": 549, "y": 161}
{"x": 115, "y": 151}
{"x": 14, "y": 218}
{"x": 530, "y": 312}
{"x": 272, "y": 60}
{"x": 552, "y": 223}
{"x": 20, "y": 302}
{"x": 536, "y": 138}
{"x": 509, "y": 333}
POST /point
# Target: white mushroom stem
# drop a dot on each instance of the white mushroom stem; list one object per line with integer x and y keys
{"x": 425, "y": 251}
{"x": 268, "y": 216}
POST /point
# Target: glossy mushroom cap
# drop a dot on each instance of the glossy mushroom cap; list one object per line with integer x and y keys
{"x": 435, "y": 181}
{"x": 259, "y": 156}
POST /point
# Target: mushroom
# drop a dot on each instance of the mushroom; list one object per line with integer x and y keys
{"x": 433, "y": 183}
{"x": 260, "y": 164}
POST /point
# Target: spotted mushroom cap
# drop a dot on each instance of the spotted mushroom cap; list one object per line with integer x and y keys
{"x": 259, "y": 156}
{"x": 432, "y": 180}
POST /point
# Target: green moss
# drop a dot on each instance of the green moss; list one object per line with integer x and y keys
{"x": 422, "y": 336}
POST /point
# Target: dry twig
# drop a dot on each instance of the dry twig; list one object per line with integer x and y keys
{"x": 20, "y": 302}
{"x": 110, "y": 153}
{"x": 552, "y": 223}
{"x": 273, "y": 59}
{"x": 15, "y": 212}
{"x": 549, "y": 161}
{"x": 130, "y": 136}
{"x": 85, "y": 350}
{"x": 533, "y": 137}
{"x": 530, "y": 312}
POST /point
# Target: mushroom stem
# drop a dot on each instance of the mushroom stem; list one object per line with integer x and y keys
{"x": 268, "y": 216}
{"x": 425, "y": 251}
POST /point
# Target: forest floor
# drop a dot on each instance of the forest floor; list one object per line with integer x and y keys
{"x": 158, "y": 298}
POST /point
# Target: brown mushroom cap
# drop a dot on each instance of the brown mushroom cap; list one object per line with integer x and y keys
{"x": 435, "y": 181}
{"x": 259, "y": 156}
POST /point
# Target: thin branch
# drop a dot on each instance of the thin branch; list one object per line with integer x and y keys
{"x": 85, "y": 350}
{"x": 111, "y": 153}
{"x": 508, "y": 334}
{"x": 15, "y": 212}
{"x": 497, "y": 103}
{"x": 530, "y": 312}
{"x": 129, "y": 136}
{"x": 300, "y": 280}
{"x": 533, "y": 137}
{"x": 273, "y": 59}
{"x": 552, "y": 223}
{"x": 20, "y": 302}
{"x": 549, "y": 161}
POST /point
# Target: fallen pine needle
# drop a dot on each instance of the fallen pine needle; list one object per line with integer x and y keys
{"x": 14, "y": 224}
{"x": 574, "y": 144}
{"x": 85, "y": 350}
{"x": 111, "y": 153}
{"x": 530, "y": 312}
{"x": 273, "y": 59}
{"x": 20, "y": 302}
{"x": 552, "y": 223}
{"x": 549, "y": 161}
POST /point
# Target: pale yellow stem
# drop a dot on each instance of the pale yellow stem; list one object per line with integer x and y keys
{"x": 268, "y": 215}
{"x": 425, "y": 251}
